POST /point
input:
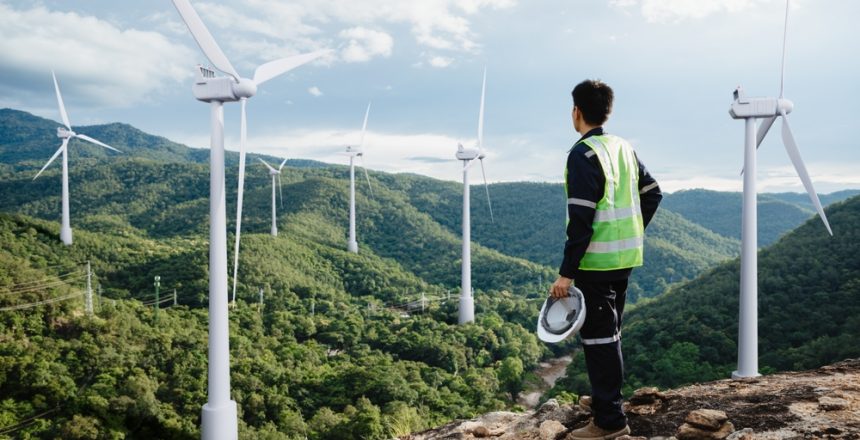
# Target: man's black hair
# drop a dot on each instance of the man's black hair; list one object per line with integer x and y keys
{"x": 594, "y": 99}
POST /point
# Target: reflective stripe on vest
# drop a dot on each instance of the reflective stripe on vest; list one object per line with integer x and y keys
{"x": 619, "y": 232}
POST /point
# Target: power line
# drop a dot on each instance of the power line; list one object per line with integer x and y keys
{"x": 39, "y": 303}
{"x": 46, "y": 279}
{"x": 162, "y": 301}
{"x": 23, "y": 423}
{"x": 47, "y": 285}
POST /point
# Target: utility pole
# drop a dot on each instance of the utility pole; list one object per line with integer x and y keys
{"x": 423, "y": 300}
{"x": 157, "y": 284}
{"x": 174, "y": 297}
{"x": 261, "y": 299}
{"x": 88, "y": 299}
{"x": 312, "y": 306}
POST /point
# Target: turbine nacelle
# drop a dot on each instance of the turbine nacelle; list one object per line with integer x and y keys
{"x": 354, "y": 151}
{"x": 65, "y": 133}
{"x": 745, "y": 107}
{"x": 469, "y": 153}
{"x": 209, "y": 87}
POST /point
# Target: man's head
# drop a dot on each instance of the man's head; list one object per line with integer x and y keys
{"x": 592, "y": 104}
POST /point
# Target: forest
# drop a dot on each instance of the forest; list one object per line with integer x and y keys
{"x": 326, "y": 344}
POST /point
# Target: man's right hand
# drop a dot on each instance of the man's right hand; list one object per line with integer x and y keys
{"x": 560, "y": 287}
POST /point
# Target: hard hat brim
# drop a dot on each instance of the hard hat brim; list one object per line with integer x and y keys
{"x": 545, "y": 335}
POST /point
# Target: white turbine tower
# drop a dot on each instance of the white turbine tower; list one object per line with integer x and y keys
{"x": 469, "y": 156}
{"x": 276, "y": 174}
{"x": 353, "y": 152}
{"x": 67, "y": 134}
{"x": 219, "y": 416}
{"x": 750, "y": 109}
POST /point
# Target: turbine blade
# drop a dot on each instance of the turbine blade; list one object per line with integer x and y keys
{"x": 100, "y": 143}
{"x": 784, "y": 41}
{"x": 763, "y": 129}
{"x": 794, "y": 154}
{"x": 267, "y": 165}
{"x": 242, "y": 137}
{"x": 275, "y": 68}
{"x": 762, "y": 132}
{"x": 469, "y": 164}
{"x": 366, "y": 177}
{"x": 63, "y": 113}
{"x": 282, "y": 165}
{"x": 481, "y": 113}
{"x": 204, "y": 39}
{"x": 364, "y": 128}
{"x": 60, "y": 150}
{"x": 487, "y": 187}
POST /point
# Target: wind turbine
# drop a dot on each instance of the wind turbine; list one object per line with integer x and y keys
{"x": 275, "y": 173}
{"x": 219, "y": 414}
{"x": 353, "y": 152}
{"x": 67, "y": 134}
{"x": 469, "y": 156}
{"x": 750, "y": 109}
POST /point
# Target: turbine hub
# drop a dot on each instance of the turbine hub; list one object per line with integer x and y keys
{"x": 245, "y": 88}
{"x": 784, "y": 105}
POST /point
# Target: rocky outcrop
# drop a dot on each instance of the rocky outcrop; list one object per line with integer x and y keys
{"x": 822, "y": 403}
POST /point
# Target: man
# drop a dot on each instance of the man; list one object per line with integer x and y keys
{"x": 611, "y": 197}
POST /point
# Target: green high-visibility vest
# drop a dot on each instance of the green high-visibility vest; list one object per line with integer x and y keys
{"x": 619, "y": 231}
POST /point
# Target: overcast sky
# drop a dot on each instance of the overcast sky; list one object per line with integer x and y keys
{"x": 673, "y": 65}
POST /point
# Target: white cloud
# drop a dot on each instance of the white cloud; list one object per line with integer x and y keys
{"x": 304, "y": 25}
{"x": 393, "y": 152}
{"x": 673, "y": 11}
{"x": 441, "y": 62}
{"x": 93, "y": 59}
{"x": 315, "y": 91}
{"x": 365, "y": 44}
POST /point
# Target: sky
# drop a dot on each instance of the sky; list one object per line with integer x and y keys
{"x": 672, "y": 63}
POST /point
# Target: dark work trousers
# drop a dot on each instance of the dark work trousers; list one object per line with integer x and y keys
{"x": 601, "y": 343}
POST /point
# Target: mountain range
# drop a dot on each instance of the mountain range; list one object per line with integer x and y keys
{"x": 327, "y": 355}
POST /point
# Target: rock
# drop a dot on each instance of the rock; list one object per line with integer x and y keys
{"x": 550, "y": 429}
{"x": 567, "y": 415}
{"x": 549, "y": 406}
{"x": 585, "y": 402}
{"x": 690, "y": 432}
{"x": 708, "y": 419}
{"x": 480, "y": 432}
{"x": 646, "y": 395}
{"x": 743, "y": 434}
{"x": 726, "y": 430}
{"x": 832, "y": 403}
{"x": 821, "y": 403}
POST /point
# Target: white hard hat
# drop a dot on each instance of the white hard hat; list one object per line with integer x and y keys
{"x": 562, "y": 317}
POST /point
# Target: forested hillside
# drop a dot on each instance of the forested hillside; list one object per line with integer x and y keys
{"x": 530, "y": 223}
{"x": 720, "y": 212}
{"x": 160, "y": 189}
{"x": 342, "y": 347}
{"x": 809, "y": 311}
{"x": 325, "y": 356}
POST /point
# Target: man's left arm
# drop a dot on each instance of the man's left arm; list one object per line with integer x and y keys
{"x": 649, "y": 193}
